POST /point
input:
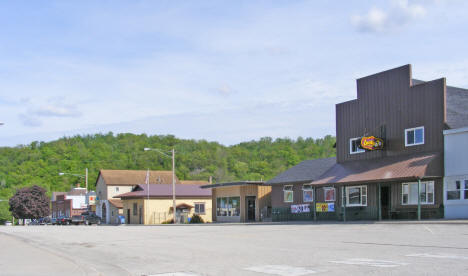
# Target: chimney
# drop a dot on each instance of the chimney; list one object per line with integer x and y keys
{"x": 210, "y": 180}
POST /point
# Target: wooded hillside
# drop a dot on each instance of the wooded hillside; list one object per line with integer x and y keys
{"x": 40, "y": 163}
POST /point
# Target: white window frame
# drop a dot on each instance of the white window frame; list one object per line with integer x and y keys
{"x": 310, "y": 189}
{"x": 409, "y": 193}
{"x": 414, "y": 129}
{"x": 351, "y": 146}
{"x": 462, "y": 190}
{"x": 287, "y": 190}
{"x": 325, "y": 194}
{"x": 195, "y": 208}
{"x": 361, "y": 196}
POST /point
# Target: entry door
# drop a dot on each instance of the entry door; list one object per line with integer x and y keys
{"x": 128, "y": 216}
{"x": 385, "y": 201}
{"x": 140, "y": 216}
{"x": 250, "y": 200}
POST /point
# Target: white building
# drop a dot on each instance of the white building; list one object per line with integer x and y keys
{"x": 456, "y": 173}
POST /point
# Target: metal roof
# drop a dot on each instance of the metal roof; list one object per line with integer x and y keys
{"x": 383, "y": 169}
{"x": 306, "y": 171}
{"x": 165, "y": 190}
{"x": 135, "y": 177}
{"x": 238, "y": 183}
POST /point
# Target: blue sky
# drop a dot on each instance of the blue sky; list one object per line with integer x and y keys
{"x": 227, "y": 71}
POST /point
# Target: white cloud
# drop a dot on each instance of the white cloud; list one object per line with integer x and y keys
{"x": 378, "y": 20}
{"x": 53, "y": 107}
{"x": 29, "y": 120}
{"x": 51, "y": 110}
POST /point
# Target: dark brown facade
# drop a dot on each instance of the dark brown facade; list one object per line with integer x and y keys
{"x": 388, "y": 103}
{"x": 402, "y": 177}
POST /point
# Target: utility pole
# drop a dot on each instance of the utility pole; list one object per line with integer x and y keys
{"x": 173, "y": 187}
{"x": 86, "y": 179}
{"x": 174, "y": 207}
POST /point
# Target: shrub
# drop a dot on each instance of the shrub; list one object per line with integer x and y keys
{"x": 171, "y": 221}
{"x": 196, "y": 219}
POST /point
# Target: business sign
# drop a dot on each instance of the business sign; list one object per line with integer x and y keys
{"x": 372, "y": 143}
{"x": 325, "y": 207}
{"x": 91, "y": 200}
{"x": 300, "y": 208}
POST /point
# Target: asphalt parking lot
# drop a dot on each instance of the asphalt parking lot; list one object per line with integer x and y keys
{"x": 399, "y": 248}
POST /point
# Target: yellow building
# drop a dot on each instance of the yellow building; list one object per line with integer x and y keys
{"x": 110, "y": 183}
{"x": 152, "y": 204}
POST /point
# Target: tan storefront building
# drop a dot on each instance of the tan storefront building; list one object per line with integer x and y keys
{"x": 241, "y": 201}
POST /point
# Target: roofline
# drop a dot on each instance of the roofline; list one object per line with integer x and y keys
{"x": 227, "y": 184}
{"x": 456, "y": 130}
{"x": 289, "y": 182}
{"x": 378, "y": 180}
{"x": 159, "y": 197}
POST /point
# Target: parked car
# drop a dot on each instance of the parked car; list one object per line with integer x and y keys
{"x": 91, "y": 218}
{"x": 62, "y": 220}
{"x": 33, "y": 222}
{"x": 8, "y": 223}
{"x": 86, "y": 218}
{"x": 53, "y": 221}
{"x": 44, "y": 221}
{"x": 48, "y": 220}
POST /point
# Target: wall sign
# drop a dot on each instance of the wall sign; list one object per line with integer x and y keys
{"x": 325, "y": 207}
{"x": 372, "y": 143}
{"x": 300, "y": 208}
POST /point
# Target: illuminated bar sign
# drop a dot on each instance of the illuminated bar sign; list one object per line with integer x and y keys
{"x": 372, "y": 143}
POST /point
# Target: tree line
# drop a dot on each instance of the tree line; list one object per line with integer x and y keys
{"x": 39, "y": 163}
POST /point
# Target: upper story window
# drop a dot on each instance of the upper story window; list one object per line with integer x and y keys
{"x": 354, "y": 145}
{"x": 414, "y": 136}
{"x": 307, "y": 193}
{"x": 116, "y": 189}
{"x": 288, "y": 194}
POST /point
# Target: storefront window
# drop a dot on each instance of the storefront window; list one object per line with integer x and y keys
{"x": 288, "y": 194}
{"x": 410, "y": 193}
{"x": 329, "y": 194}
{"x": 457, "y": 190}
{"x": 228, "y": 206}
{"x": 356, "y": 196}
{"x": 307, "y": 193}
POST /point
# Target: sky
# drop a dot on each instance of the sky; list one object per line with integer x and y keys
{"x": 225, "y": 71}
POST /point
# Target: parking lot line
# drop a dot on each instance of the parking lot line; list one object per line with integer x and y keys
{"x": 282, "y": 270}
{"x": 175, "y": 274}
{"x": 426, "y": 255}
{"x": 369, "y": 262}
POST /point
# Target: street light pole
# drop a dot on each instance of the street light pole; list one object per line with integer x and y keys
{"x": 173, "y": 187}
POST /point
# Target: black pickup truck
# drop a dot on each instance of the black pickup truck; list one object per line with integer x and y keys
{"x": 86, "y": 218}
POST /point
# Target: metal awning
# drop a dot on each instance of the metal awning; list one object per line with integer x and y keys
{"x": 384, "y": 169}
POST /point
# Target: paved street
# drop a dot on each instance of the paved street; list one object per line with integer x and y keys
{"x": 397, "y": 248}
